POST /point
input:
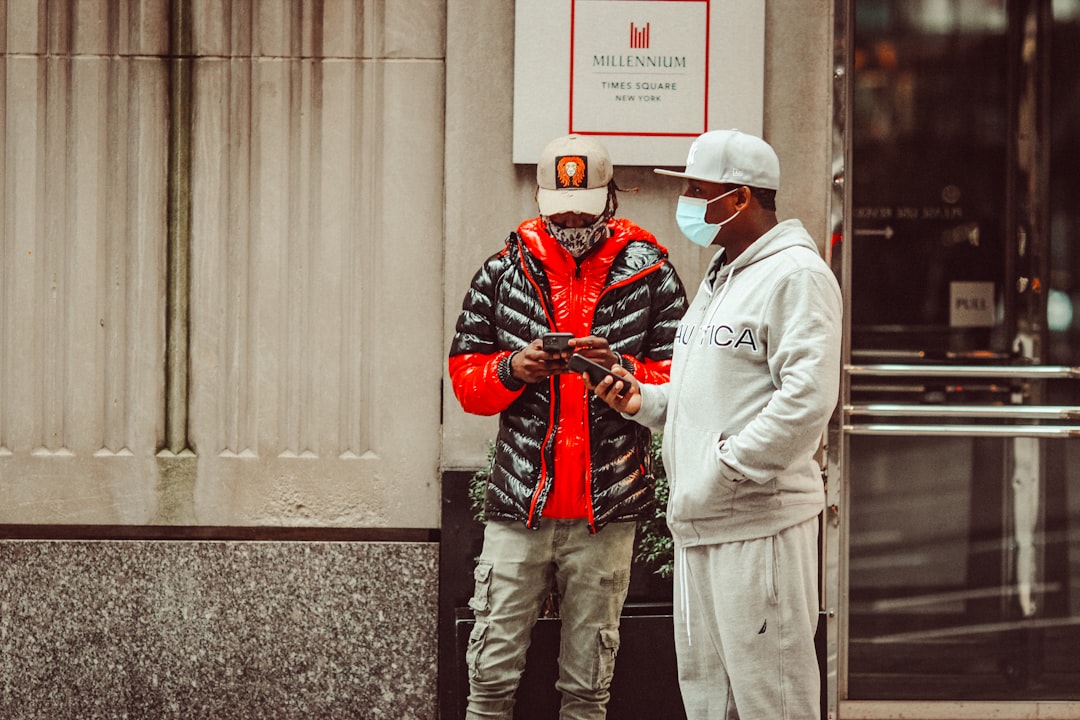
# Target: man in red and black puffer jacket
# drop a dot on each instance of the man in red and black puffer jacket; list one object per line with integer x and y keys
{"x": 570, "y": 476}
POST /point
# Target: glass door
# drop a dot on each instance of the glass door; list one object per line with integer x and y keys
{"x": 954, "y": 578}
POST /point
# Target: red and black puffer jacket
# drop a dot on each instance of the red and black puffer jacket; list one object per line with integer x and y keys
{"x": 624, "y": 290}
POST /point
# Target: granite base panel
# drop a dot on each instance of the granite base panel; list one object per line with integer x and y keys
{"x": 218, "y": 630}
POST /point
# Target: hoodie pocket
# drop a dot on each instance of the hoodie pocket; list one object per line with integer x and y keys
{"x": 698, "y": 489}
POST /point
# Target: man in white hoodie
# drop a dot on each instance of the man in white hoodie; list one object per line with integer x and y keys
{"x": 754, "y": 379}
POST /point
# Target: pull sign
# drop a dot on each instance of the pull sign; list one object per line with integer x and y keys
{"x": 971, "y": 304}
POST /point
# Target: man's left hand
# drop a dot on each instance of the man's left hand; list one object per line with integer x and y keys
{"x": 596, "y": 348}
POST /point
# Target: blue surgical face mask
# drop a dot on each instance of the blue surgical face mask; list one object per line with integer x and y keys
{"x": 690, "y": 215}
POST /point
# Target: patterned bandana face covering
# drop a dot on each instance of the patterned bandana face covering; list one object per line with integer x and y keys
{"x": 579, "y": 241}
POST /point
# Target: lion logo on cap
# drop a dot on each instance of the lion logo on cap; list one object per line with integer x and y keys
{"x": 570, "y": 171}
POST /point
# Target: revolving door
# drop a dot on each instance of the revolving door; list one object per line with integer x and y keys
{"x": 952, "y": 573}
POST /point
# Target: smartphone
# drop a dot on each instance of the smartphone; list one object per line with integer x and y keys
{"x": 596, "y": 371}
{"x": 556, "y": 342}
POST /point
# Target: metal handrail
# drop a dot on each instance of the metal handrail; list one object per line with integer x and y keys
{"x": 1034, "y": 431}
{"x": 1020, "y": 412}
{"x": 1026, "y": 372}
{"x": 922, "y": 354}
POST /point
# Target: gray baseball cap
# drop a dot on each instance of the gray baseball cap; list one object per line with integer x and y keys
{"x": 731, "y": 157}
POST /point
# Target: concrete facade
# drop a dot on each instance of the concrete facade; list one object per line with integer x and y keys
{"x": 235, "y": 240}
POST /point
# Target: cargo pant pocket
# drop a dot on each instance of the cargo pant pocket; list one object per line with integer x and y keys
{"x": 607, "y": 647}
{"x": 474, "y": 653}
{"x": 480, "y": 602}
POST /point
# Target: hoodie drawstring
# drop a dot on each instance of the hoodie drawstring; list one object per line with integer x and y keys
{"x": 684, "y": 590}
{"x": 727, "y": 284}
{"x": 710, "y": 287}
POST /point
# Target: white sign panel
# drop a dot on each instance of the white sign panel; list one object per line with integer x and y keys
{"x": 971, "y": 304}
{"x": 644, "y": 77}
{"x": 626, "y": 79}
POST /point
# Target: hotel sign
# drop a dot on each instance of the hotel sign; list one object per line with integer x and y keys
{"x": 644, "y": 77}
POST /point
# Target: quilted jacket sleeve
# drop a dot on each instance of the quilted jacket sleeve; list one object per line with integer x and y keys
{"x": 669, "y": 305}
{"x": 475, "y": 355}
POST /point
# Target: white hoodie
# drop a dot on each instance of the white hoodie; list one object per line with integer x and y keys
{"x": 755, "y": 377}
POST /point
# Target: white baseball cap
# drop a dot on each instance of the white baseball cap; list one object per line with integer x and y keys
{"x": 573, "y": 175}
{"x": 731, "y": 157}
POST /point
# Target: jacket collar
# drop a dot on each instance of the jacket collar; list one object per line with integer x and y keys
{"x": 554, "y": 256}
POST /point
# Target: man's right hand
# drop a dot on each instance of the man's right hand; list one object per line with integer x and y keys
{"x": 532, "y": 364}
{"x": 623, "y": 394}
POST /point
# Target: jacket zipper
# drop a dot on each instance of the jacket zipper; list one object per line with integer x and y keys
{"x": 589, "y": 509}
{"x": 543, "y": 456}
{"x": 576, "y": 302}
{"x": 552, "y": 416}
{"x": 588, "y": 416}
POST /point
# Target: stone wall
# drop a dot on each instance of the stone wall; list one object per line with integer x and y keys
{"x": 217, "y": 630}
{"x": 219, "y": 282}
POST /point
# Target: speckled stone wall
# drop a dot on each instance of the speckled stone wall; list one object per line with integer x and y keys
{"x": 217, "y": 630}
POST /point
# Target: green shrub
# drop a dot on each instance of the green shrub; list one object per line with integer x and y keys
{"x": 655, "y": 548}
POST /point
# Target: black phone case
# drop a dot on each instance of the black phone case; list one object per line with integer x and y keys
{"x": 556, "y": 342}
{"x": 596, "y": 371}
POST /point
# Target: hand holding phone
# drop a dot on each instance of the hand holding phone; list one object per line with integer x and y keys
{"x": 557, "y": 342}
{"x": 595, "y": 371}
{"x": 626, "y": 399}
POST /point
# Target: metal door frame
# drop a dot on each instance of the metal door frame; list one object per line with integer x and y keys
{"x": 835, "y": 525}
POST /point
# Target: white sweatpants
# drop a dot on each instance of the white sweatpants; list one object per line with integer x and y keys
{"x": 745, "y": 616}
